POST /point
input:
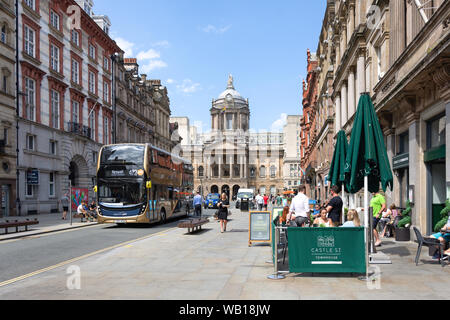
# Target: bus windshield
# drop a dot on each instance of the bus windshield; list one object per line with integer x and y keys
{"x": 123, "y": 154}
{"x": 121, "y": 191}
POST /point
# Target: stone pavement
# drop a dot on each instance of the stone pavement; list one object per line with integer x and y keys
{"x": 50, "y": 222}
{"x": 208, "y": 265}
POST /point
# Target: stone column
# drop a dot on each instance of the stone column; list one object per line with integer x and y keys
{"x": 414, "y": 173}
{"x": 361, "y": 75}
{"x": 344, "y": 105}
{"x": 390, "y": 148}
{"x": 220, "y": 165}
{"x": 351, "y": 22}
{"x": 351, "y": 92}
{"x": 338, "y": 113}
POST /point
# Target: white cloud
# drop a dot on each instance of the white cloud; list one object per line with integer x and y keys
{"x": 162, "y": 44}
{"x": 148, "y": 55}
{"x": 213, "y": 29}
{"x": 279, "y": 124}
{"x": 153, "y": 64}
{"x": 126, "y": 46}
{"x": 188, "y": 86}
{"x": 170, "y": 81}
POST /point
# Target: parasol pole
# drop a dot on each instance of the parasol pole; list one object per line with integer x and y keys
{"x": 366, "y": 218}
{"x": 343, "y": 206}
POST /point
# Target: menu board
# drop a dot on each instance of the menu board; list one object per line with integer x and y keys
{"x": 259, "y": 230}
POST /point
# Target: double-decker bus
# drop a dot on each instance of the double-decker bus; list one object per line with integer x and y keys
{"x": 139, "y": 183}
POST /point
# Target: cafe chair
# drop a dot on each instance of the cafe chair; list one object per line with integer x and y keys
{"x": 428, "y": 242}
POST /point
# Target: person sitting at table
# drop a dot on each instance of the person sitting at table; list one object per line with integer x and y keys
{"x": 389, "y": 217}
{"x": 443, "y": 237}
{"x": 283, "y": 218}
{"x": 352, "y": 220}
{"x": 322, "y": 220}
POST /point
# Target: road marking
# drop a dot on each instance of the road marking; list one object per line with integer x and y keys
{"x": 61, "y": 264}
{"x": 46, "y": 234}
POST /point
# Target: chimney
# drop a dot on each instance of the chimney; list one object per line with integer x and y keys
{"x": 144, "y": 77}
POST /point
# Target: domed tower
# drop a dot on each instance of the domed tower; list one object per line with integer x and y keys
{"x": 230, "y": 112}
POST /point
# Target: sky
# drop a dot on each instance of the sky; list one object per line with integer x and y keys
{"x": 193, "y": 45}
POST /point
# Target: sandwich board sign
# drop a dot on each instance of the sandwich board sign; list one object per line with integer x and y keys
{"x": 260, "y": 223}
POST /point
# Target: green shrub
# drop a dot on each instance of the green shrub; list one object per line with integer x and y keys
{"x": 406, "y": 214}
{"x": 444, "y": 216}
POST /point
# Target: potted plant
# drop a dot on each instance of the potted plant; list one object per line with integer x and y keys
{"x": 444, "y": 216}
{"x": 402, "y": 231}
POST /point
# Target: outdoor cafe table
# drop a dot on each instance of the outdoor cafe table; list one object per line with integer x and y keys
{"x": 326, "y": 250}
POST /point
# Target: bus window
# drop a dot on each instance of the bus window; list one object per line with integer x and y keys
{"x": 171, "y": 194}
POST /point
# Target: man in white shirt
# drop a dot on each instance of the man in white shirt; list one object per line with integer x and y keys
{"x": 260, "y": 202}
{"x": 299, "y": 213}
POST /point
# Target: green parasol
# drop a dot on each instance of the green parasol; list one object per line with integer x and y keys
{"x": 367, "y": 155}
{"x": 337, "y": 174}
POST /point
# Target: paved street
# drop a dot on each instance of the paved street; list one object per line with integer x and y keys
{"x": 207, "y": 265}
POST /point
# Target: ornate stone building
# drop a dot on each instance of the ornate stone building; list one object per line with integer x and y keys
{"x": 134, "y": 104}
{"x": 308, "y": 152}
{"x": 230, "y": 156}
{"x": 65, "y": 106}
{"x": 7, "y": 109}
{"x": 397, "y": 51}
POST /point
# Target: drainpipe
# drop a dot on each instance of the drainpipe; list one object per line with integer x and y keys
{"x": 18, "y": 204}
{"x": 422, "y": 12}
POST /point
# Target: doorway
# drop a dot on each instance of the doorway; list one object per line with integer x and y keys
{"x": 437, "y": 192}
{"x": 5, "y": 205}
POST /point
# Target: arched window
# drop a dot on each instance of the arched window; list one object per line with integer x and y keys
{"x": 262, "y": 172}
{"x": 252, "y": 172}
{"x": 200, "y": 171}
{"x": 3, "y": 34}
{"x": 273, "y": 171}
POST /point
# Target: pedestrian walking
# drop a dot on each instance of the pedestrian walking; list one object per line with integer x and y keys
{"x": 65, "y": 205}
{"x": 378, "y": 203}
{"x": 334, "y": 207}
{"x": 198, "y": 204}
{"x": 266, "y": 200}
{"x": 259, "y": 202}
{"x": 299, "y": 212}
{"x": 223, "y": 205}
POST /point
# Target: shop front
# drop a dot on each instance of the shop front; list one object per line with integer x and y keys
{"x": 434, "y": 159}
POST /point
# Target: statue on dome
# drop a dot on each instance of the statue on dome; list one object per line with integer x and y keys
{"x": 230, "y": 81}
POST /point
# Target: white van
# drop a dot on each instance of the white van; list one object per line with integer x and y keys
{"x": 244, "y": 193}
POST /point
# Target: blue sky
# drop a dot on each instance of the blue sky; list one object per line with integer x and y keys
{"x": 193, "y": 45}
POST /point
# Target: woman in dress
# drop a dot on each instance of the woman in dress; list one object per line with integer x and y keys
{"x": 223, "y": 206}
{"x": 322, "y": 219}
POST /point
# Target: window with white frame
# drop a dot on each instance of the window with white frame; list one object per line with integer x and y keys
{"x": 106, "y": 91}
{"x": 29, "y": 41}
{"x": 75, "y": 71}
{"x": 54, "y": 19}
{"x": 75, "y": 37}
{"x": 55, "y": 105}
{"x": 91, "y": 82}
{"x": 92, "y": 124}
{"x": 106, "y": 130}
{"x": 31, "y": 4}
{"x": 92, "y": 51}
{"x": 106, "y": 63}
{"x": 31, "y": 142}
{"x": 54, "y": 57}
{"x": 75, "y": 111}
{"x": 30, "y": 92}
{"x": 51, "y": 184}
